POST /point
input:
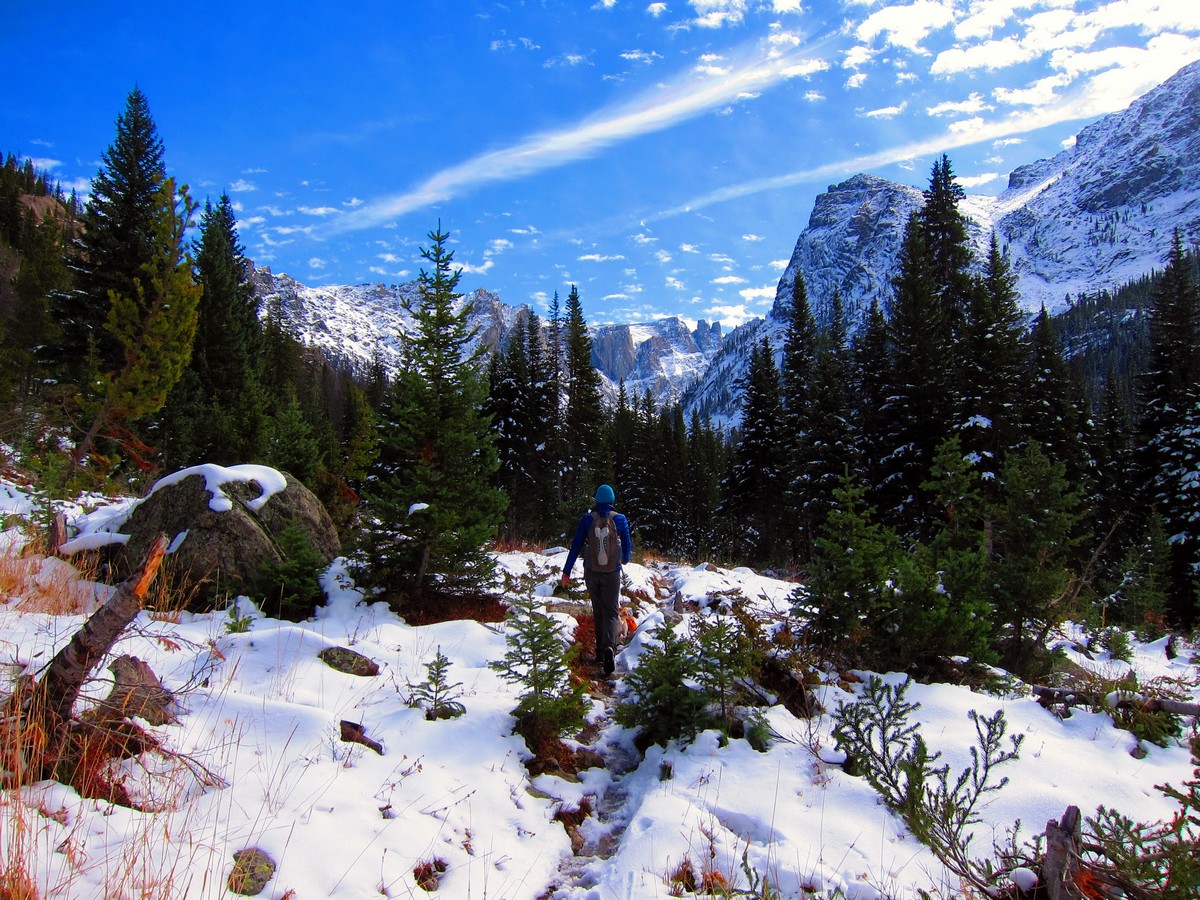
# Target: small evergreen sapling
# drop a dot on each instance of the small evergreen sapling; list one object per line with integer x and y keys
{"x": 536, "y": 658}
{"x": 436, "y": 695}
{"x": 665, "y": 704}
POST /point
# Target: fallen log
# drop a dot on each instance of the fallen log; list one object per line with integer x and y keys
{"x": 41, "y": 714}
{"x": 1072, "y": 697}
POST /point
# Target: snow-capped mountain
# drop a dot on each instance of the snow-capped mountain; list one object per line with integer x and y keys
{"x": 352, "y": 324}
{"x": 1094, "y": 217}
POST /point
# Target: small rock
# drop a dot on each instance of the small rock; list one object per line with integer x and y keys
{"x": 252, "y": 869}
{"x": 343, "y": 659}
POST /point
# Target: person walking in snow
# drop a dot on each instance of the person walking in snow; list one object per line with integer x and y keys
{"x": 603, "y": 537}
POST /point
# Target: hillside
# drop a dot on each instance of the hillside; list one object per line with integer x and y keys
{"x": 255, "y": 760}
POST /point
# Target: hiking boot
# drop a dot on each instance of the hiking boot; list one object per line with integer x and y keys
{"x": 609, "y": 661}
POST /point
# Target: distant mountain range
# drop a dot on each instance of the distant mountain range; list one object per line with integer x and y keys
{"x": 1093, "y": 217}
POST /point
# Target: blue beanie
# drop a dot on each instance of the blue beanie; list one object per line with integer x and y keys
{"x": 605, "y": 494}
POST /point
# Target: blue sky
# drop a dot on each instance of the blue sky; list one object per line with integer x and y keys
{"x": 663, "y": 156}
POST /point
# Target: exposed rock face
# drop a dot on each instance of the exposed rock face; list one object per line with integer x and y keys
{"x": 222, "y": 549}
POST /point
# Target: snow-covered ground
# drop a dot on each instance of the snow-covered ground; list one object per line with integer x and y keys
{"x": 260, "y": 763}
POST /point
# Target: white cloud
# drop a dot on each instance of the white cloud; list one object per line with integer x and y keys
{"x": 971, "y": 181}
{"x": 689, "y": 248}
{"x": 481, "y": 269}
{"x": 973, "y": 104}
{"x": 885, "y": 112}
{"x": 656, "y": 9}
{"x": 641, "y": 56}
{"x": 718, "y": 13}
{"x": 722, "y": 258}
{"x": 565, "y": 61}
{"x": 597, "y": 257}
{"x": 856, "y": 80}
{"x": 662, "y": 106}
{"x": 813, "y": 96}
{"x": 729, "y": 279}
{"x": 644, "y": 240}
{"x": 857, "y": 56}
{"x": 760, "y": 295}
{"x": 753, "y": 237}
{"x": 729, "y": 316}
{"x": 674, "y": 283}
{"x": 317, "y": 263}
{"x": 527, "y": 230}
{"x": 352, "y": 203}
{"x": 907, "y": 26}
{"x": 1008, "y": 142}
{"x": 709, "y": 69}
{"x": 253, "y": 171}
{"x": 318, "y": 210}
{"x": 1042, "y": 92}
{"x": 779, "y": 264}
{"x": 388, "y": 257}
{"x": 243, "y": 186}
{"x": 966, "y": 126}
{"x": 663, "y": 256}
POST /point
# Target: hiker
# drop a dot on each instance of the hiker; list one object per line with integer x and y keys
{"x": 603, "y": 537}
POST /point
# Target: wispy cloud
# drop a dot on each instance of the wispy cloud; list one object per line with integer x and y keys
{"x": 598, "y": 257}
{"x": 1105, "y": 93}
{"x": 243, "y": 186}
{"x": 684, "y": 98}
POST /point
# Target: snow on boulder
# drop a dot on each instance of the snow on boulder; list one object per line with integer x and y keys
{"x": 224, "y": 525}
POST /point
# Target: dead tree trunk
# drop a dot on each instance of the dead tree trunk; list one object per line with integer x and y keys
{"x": 1062, "y": 856}
{"x": 1149, "y": 704}
{"x": 47, "y": 705}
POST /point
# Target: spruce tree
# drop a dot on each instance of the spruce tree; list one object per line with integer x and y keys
{"x": 755, "y": 490}
{"x": 430, "y": 506}
{"x": 827, "y": 447}
{"x": 1168, "y": 423}
{"x": 118, "y": 239}
{"x": 222, "y": 387}
{"x": 582, "y": 430}
{"x": 1052, "y": 401}
{"x": 153, "y": 327}
{"x": 947, "y": 243}
{"x": 992, "y": 352}
{"x": 871, "y": 388}
{"x": 920, "y": 406}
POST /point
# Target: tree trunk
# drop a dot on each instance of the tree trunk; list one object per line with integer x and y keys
{"x": 46, "y": 710}
{"x": 1062, "y": 856}
{"x": 1069, "y": 697}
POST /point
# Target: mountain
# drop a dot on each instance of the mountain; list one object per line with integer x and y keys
{"x": 351, "y": 324}
{"x": 1094, "y": 217}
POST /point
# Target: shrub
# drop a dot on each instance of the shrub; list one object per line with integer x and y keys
{"x": 291, "y": 587}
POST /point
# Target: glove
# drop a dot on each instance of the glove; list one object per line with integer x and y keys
{"x": 565, "y": 581}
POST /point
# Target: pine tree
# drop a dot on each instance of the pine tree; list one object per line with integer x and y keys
{"x": 827, "y": 447}
{"x": 1033, "y": 541}
{"x": 222, "y": 388}
{"x": 583, "y": 421}
{"x": 871, "y": 387}
{"x": 1052, "y": 402}
{"x": 1168, "y": 422}
{"x": 430, "y": 503}
{"x": 154, "y": 327}
{"x": 947, "y": 243}
{"x": 992, "y": 351}
{"x": 755, "y": 491}
{"x": 118, "y": 240}
{"x": 797, "y": 368}
{"x": 920, "y": 405}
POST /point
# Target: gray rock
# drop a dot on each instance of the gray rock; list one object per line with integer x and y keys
{"x": 218, "y": 551}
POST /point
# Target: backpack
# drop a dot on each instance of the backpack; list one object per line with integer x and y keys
{"x": 603, "y": 544}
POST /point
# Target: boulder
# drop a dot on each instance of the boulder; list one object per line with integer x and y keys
{"x": 224, "y": 525}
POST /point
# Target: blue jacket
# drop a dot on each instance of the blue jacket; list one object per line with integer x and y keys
{"x": 585, "y": 525}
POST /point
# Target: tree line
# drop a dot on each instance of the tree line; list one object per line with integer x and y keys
{"x": 944, "y": 438}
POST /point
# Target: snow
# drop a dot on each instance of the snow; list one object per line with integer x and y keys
{"x": 259, "y": 723}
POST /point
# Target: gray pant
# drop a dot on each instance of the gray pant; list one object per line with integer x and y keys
{"x": 605, "y": 591}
